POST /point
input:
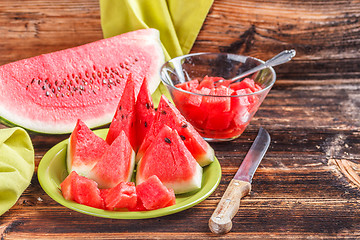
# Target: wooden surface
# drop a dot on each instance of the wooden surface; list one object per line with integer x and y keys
{"x": 307, "y": 184}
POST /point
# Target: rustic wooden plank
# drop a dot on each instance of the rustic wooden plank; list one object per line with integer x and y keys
{"x": 312, "y": 114}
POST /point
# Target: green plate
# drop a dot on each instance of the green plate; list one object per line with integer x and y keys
{"x": 52, "y": 171}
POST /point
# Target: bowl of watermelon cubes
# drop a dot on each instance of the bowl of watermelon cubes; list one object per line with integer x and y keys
{"x": 200, "y": 88}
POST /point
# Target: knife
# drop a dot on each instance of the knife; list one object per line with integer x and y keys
{"x": 240, "y": 185}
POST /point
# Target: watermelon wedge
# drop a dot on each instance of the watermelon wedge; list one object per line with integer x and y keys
{"x": 85, "y": 149}
{"x": 144, "y": 112}
{"x": 116, "y": 164}
{"x": 124, "y": 118}
{"x": 48, "y": 93}
{"x": 168, "y": 114}
{"x": 168, "y": 158}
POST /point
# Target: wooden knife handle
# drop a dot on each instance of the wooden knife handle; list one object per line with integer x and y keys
{"x": 220, "y": 221}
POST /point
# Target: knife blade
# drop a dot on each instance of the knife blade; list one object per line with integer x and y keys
{"x": 221, "y": 219}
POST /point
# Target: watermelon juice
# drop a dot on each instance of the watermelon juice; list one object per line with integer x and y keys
{"x": 219, "y": 111}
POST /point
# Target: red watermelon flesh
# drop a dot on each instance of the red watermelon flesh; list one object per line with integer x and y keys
{"x": 81, "y": 190}
{"x": 84, "y": 150}
{"x": 122, "y": 195}
{"x": 154, "y": 195}
{"x": 124, "y": 118}
{"x": 116, "y": 165}
{"x": 48, "y": 93}
{"x": 167, "y": 114}
{"x": 168, "y": 158}
{"x": 145, "y": 113}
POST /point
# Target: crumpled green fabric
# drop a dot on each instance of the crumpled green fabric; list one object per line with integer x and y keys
{"x": 16, "y": 165}
{"x": 179, "y": 23}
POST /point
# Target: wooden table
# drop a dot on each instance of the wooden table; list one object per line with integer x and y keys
{"x": 306, "y": 186}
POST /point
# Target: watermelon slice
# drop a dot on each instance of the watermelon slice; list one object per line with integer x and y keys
{"x": 48, "y": 93}
{"x": 154, "y": 195}
{"x": 167, "y": 114}
{"x": 168, "y": 158}
{"x": 84, "y": 150}
{"x": 124, "y": 118}
{"x": 145, "y": 113}
{"x": 116, "y": 164}
{"x": 81, "y": 190}
{"x": 122, "y": 195}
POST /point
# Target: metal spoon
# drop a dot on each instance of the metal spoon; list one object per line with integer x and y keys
{"x": 281, "y": 58}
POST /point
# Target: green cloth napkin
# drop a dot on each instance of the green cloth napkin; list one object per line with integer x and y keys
{"x": 16, "y": 165}
{"x": 179, "y": 23}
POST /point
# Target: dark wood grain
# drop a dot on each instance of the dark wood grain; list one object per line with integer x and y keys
{"x": 312, "y": 114}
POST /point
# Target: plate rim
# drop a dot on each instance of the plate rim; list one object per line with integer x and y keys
{"x": 43, "y": 177}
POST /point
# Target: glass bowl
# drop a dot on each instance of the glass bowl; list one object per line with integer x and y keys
{"x": 224, "y": 116}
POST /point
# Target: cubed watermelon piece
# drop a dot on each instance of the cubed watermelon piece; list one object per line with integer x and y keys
{"x": 124, "y": 118}
{"x": 122, "y": 195}
{"x": 116, "y": 165}
{"x": 84, "y": 150}
{"x": 246, "y": 83}
{"x": 192, "y": 84}
{"x": 154, "y": 194}
{"x": 81, "y": 190}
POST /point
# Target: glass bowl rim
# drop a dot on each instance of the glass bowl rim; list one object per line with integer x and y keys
{"x": 221, "y": 96}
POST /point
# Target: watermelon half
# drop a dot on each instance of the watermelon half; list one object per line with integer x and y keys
{"x": 48, "y": 93}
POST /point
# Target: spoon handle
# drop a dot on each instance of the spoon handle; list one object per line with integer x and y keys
{"x": 281, "y": 58}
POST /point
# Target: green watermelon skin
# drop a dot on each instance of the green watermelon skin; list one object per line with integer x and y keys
{"x": 48, "y": 93}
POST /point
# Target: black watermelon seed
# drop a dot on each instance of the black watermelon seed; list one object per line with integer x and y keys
{"x": 33, "y": 80}
{"x": 122, "y": 116}
{"x": 147, "y": 105}
{"x": 46, "y": 81}
{"x": 184, "y": 125}
{"x": 47, "y": 93}
{"x": 39, "y": 81}
{"x": 163, "y": 112}
{"x": 182, "y": 137}
{"x": 53, "y": 90}
{"x": 119, "y": 107}
{"x": 43, "y": 87}
{"x": 145, "y": 123}
{"x": 27, "y": 86}
{"x": 56, "y": 82}
{"x": 167, "y": 140}
{"x": 50, "y": 85}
